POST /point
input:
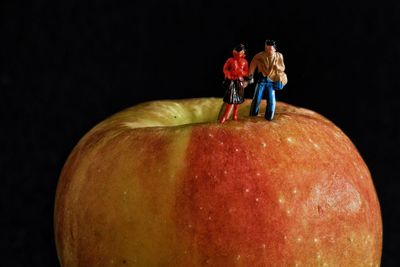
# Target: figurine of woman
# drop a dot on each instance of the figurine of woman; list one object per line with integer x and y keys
{"x": 235, "y": 70}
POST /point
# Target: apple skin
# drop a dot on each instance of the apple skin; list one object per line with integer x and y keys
{"x": 164, "y": 184}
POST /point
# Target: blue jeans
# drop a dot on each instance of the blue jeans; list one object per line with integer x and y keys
{"x": 271, "y": 86}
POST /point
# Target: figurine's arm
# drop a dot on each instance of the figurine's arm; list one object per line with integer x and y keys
{"x": 253, "y": 66}
{"x": 227, "y": 69}
{"x": 280, "y": 65}
{"x": 245, "y": 70}
{"x": 252, "y": 69}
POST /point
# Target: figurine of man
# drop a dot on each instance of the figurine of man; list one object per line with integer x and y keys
{"x": 271, "y": 67}
{"x": 236, "y": 70}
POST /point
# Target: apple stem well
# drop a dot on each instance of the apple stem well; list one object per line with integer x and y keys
{"x": 170, "y": 113}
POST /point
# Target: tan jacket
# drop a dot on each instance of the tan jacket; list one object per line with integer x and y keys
{"x": 271, "y": 67}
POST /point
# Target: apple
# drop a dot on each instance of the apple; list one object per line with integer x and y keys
{"x": 164, "y": 184}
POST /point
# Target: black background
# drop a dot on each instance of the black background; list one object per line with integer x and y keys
{"x": 67, "y": 65}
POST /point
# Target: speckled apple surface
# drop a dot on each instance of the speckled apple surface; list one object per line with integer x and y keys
{"x": 164, "y": 184}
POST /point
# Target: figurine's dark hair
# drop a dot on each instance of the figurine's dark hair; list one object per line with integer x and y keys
{"x": 240, "y": 47}
{"x": 270, "y": 43}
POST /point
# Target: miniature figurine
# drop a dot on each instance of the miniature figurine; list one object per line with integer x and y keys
{"x": 270, "y": 64}
{"x": 236, "y": 71}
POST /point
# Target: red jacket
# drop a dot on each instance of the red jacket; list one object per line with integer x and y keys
{"x": 236, "y": 68}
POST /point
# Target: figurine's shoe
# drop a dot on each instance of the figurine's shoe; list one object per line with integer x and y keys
{"x": 235, "y": 117}
{"x": 235, "y": 112}
{"x": 269, "y": 115}
{"x": 226, "y": 113}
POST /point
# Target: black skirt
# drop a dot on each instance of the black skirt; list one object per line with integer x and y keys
{"x": 234, "y": 91}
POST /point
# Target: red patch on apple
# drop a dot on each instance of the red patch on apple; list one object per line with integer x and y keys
{"x": 276, "y": 192}
{"x": 223, "y": 207}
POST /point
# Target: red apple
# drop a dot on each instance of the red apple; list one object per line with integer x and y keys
{"x": 164, "y": 184}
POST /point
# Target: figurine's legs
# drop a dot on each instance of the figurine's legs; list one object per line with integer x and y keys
{"x": 270, "y": 111}
{"x": 226, "y": 113}
{"x": 235, "y": 111}
{"x": 258, "y": 93}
